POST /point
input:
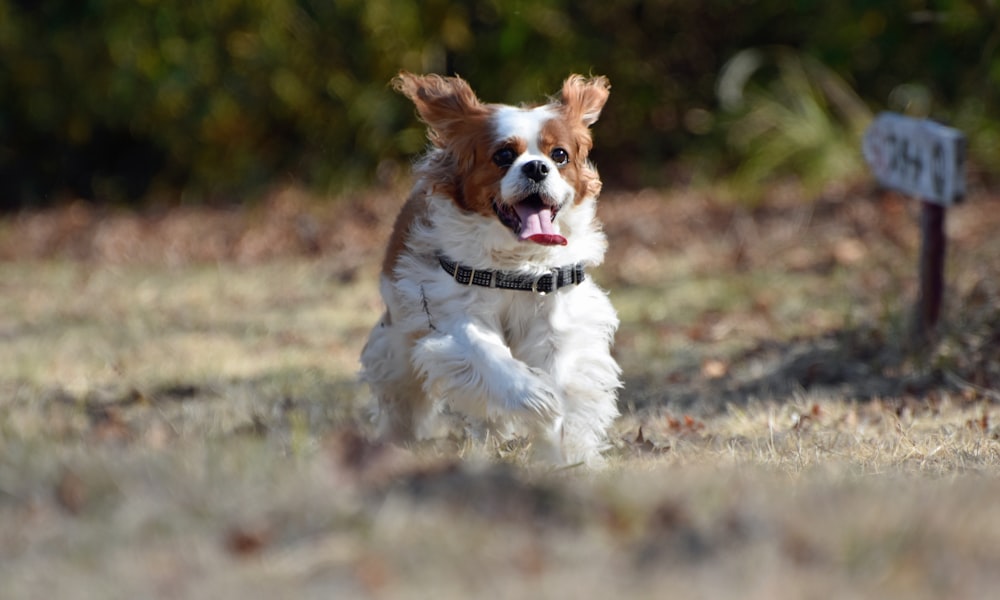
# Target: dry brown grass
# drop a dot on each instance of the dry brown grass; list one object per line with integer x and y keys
{"x": 171, "y": 427}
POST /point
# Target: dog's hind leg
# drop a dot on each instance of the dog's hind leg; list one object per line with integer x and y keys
{"x": 404, "y": 410}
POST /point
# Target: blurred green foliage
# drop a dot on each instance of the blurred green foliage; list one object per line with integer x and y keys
{"x": 113, "y": 99}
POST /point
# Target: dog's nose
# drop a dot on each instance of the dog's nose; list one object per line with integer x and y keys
{"x": 535, "y": 170}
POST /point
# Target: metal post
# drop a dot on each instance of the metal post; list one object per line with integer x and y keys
{"x": 932, "y": 251}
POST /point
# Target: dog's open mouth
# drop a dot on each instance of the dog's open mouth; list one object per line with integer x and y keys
{"x": 531, "y": 220}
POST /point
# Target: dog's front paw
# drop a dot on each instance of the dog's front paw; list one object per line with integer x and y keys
{"x": 534, "y": 397}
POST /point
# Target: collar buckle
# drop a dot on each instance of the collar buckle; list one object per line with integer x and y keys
{"x": 550, "y": 286}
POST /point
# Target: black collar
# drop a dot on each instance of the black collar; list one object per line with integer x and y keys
{"x": 558, "y": 277}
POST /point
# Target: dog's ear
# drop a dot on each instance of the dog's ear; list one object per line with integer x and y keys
{"x": 584, "y": 98}
{"x": 446, "y": 104}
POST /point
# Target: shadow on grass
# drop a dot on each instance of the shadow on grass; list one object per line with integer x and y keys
{"x": 851, "y": 364}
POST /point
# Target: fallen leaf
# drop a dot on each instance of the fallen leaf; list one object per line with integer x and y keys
{"x": 246, "y": 541}
{"x": 686, "y": 424}
{"x": 71, "y": 492}
{"x": 692, "y": 424}
{"x": 714, "y": 368}
{"x": 849, "y": 251}
{"x": 373, "y": 572}
{"x": 980, "y": 424}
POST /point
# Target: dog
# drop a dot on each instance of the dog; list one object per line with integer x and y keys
{"x": 489, "y": 310}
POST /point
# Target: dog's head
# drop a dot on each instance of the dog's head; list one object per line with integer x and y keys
{"x": 519, "y": 165}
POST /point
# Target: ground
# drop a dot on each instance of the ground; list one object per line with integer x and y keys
{"x": 179, "y": 415}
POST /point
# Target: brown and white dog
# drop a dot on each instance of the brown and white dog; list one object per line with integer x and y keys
{"x": 488, "y": 308}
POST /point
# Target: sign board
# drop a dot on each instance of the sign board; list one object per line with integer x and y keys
{"x": 917, "y": 157}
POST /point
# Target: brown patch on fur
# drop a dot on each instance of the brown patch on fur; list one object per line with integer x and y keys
{"x": 458, "y": 126}
{"x": 575, "y": 139}
{"x": 582, "y": 100}
{"x": 481, "y": 180}
{"x": 447, "y": 105}
{"x": 478, "y": 179}
{"x": 414, "y": 210}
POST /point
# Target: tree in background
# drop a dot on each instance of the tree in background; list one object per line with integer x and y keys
{"x": 116, "y": 99}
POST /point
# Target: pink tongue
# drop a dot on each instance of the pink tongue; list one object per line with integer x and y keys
{"x": 536, "y": 224}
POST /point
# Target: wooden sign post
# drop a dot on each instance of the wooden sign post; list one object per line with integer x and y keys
{"x": 924, "y": 159}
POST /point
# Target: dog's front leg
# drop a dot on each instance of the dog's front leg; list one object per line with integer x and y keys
{"x": 469, "y": 365}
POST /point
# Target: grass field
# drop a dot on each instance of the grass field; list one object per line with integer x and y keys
{"x": 179, "y": 416}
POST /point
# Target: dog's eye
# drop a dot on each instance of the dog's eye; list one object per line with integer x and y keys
{"x": 560, "y": 156}
{"x": 504, "y": 157}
